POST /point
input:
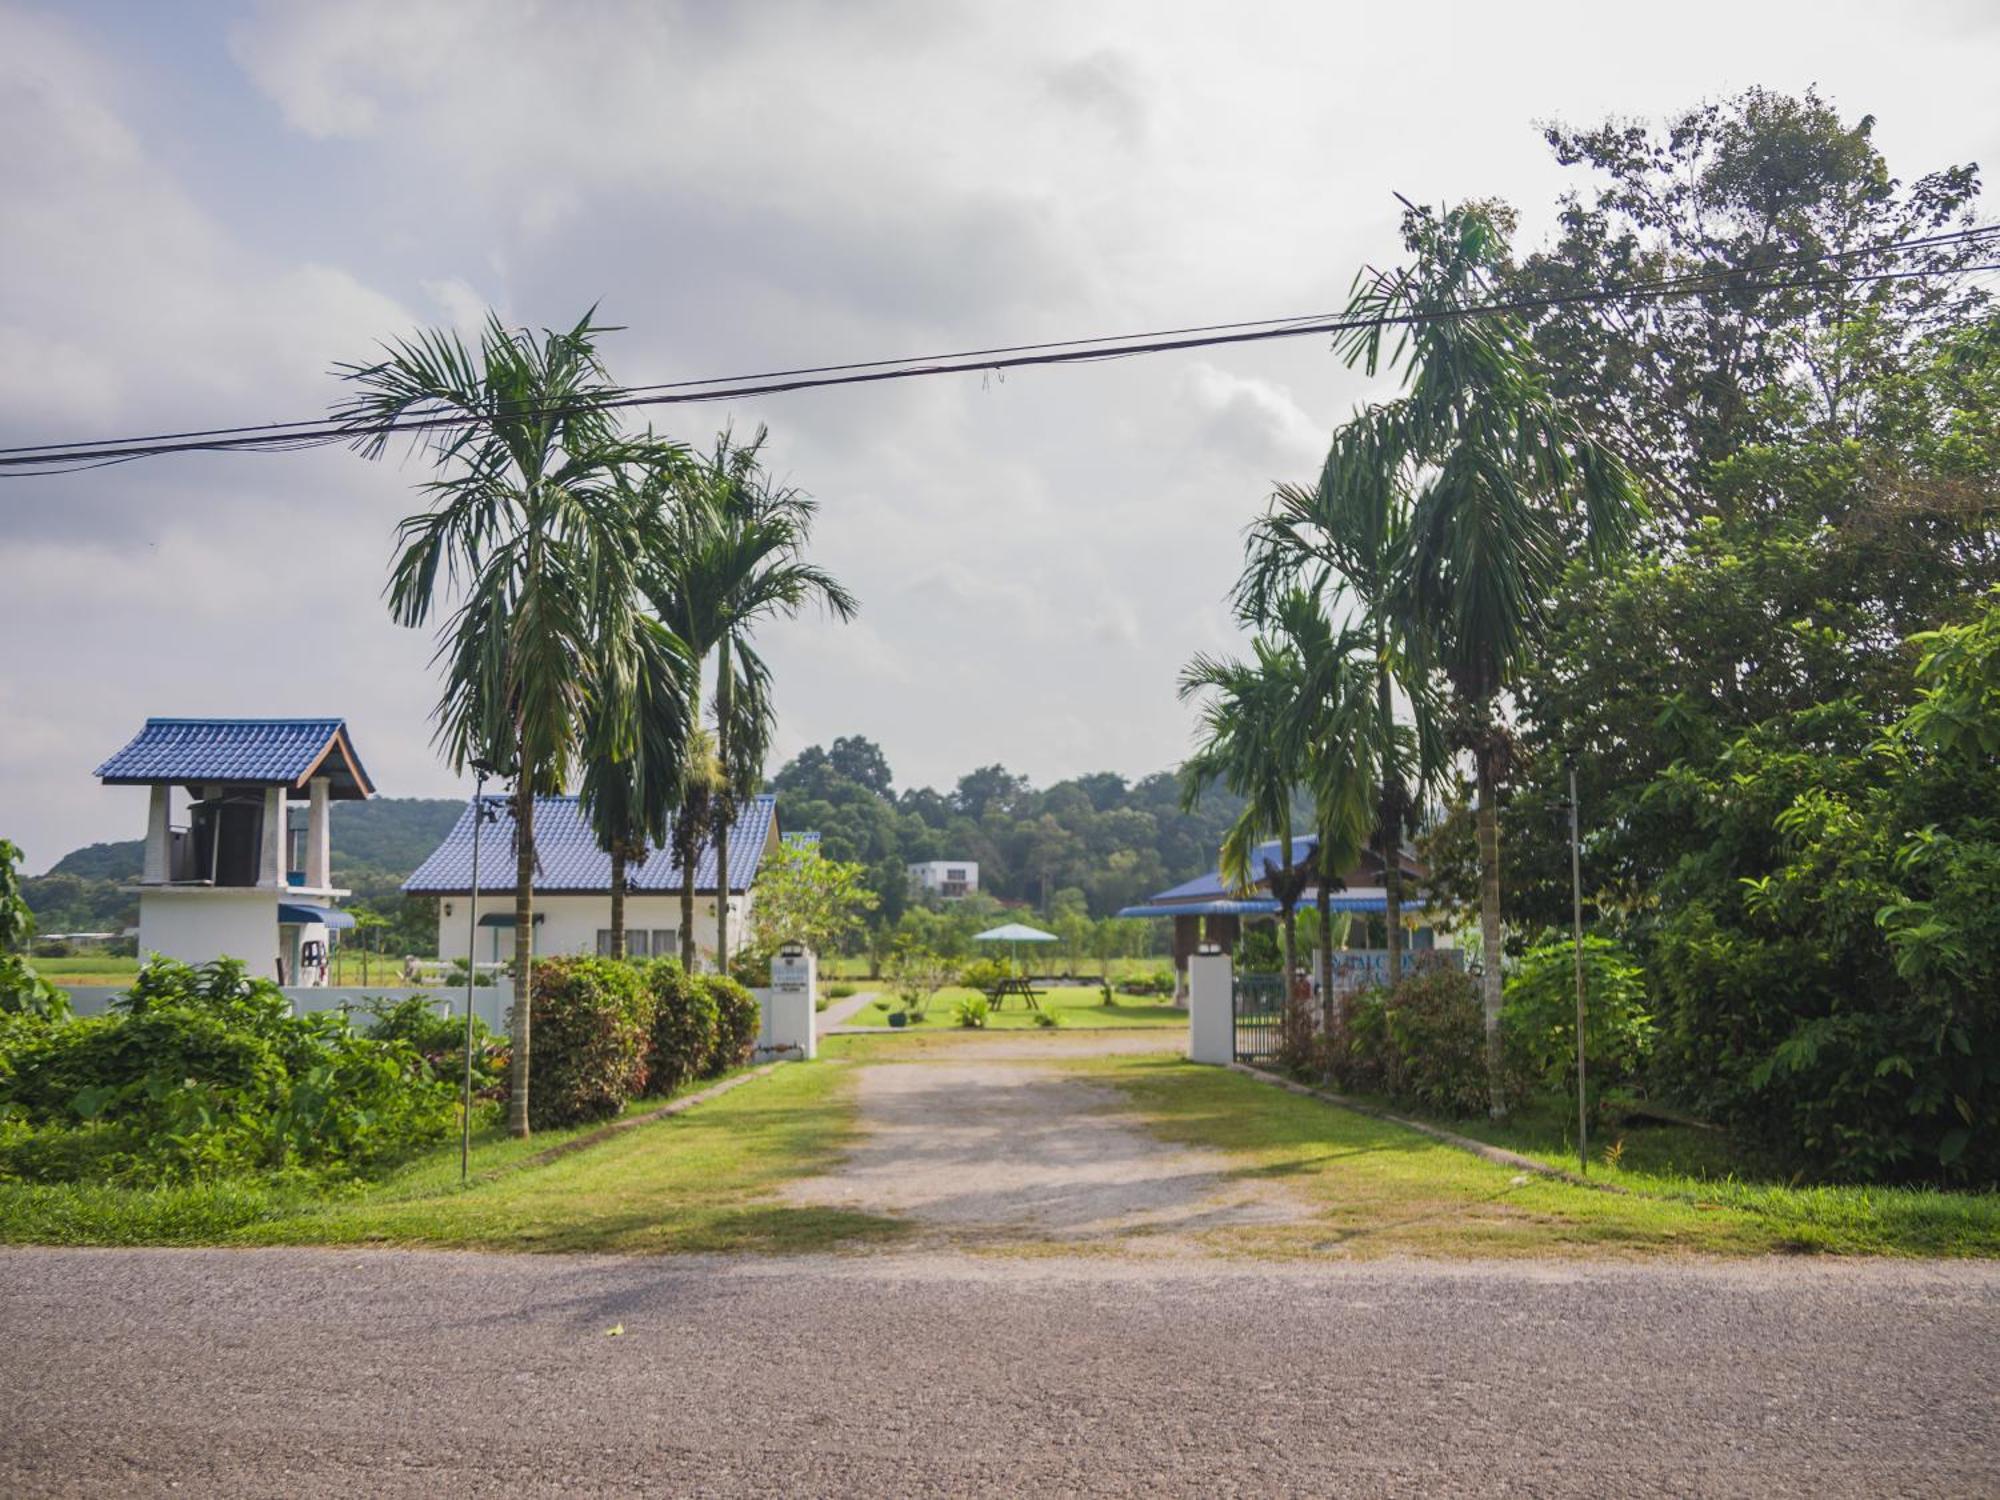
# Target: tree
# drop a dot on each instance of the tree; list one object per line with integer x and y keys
{"x": 631, "y": 797}
{"x": 1349, "y": 534}
{"x": 1507, "y": 486}
{"x": 530, "y": 530}
{"x": 1253, "y": 740}
{"x": 22, "y": 990}
{"x": 735, "y": 557}
{"x": 803, "y": 897}
{"x": 1758, "y": 189}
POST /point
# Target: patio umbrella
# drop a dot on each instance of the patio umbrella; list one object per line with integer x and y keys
{"x": 1015, "y": 934}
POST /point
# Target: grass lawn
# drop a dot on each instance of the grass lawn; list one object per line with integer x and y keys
{"x": 699, "y": 1181}
{"x": 1080, "y": 1007}
{"x": 1383, "y": 1189}
{"x": 86, "y": 969}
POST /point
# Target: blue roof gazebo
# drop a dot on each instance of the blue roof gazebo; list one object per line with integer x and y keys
{"x": 236, "y": 880}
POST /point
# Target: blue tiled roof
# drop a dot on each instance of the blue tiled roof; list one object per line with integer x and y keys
{"x": 265, "y": 751}
{"x": 571, "y": 862}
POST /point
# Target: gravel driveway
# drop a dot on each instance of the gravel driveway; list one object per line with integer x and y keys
{"x": 403, "y": 1373}
{"x": 980, "y": 1149}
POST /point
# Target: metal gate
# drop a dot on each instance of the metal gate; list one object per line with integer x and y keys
{"x": 1257, "y": 1011}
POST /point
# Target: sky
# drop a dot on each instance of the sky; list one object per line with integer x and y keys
{"x": 209, "y": 206}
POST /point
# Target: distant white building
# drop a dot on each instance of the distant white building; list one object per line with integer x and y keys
{"x": 237, "y": 880}
{"x": 947, "y": 879}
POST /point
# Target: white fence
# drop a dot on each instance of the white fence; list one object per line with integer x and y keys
{"x": 489, "y": 1001}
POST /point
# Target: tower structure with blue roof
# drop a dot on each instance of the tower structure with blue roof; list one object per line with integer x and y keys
{"x": 232, "y": 877}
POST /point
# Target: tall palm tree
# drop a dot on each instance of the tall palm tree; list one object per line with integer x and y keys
{"x": 735, "y": 559}
{"x": 1509, "y": 488}
{"x": 1252, "y": 739}
{"x": 631, "y": 798}
{"x": 1340, "y": 728}
{"x": 1347, "y": 535}
{"x": 530, "y": 532}
{"x": 699, "y": 789}
{"x": 745, "y": 721}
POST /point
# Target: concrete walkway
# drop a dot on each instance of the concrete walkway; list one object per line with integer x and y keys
{"x": 838, "y": 1011}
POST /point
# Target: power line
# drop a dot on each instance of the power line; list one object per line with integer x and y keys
{"x": 289, "y": 436}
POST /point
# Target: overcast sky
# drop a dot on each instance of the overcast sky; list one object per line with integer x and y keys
{"x": 207, "y": 206}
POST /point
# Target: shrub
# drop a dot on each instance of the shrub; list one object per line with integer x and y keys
{"x": 592, "y": 1019}
{"x": 736, "y": 1023}
{"x": 201, "y": 1073}
{"x": 686, "y": 1027}
{"x": 983, "y": 974}
{"x": 971, "y": 1012}
{"x": 437, "y": 1035}
{"x": 1423, "y": 1043}
{"x": 1540, "y": 1016}
{"x": 1047, "y": 1019}
{"x": 841, "y": 992}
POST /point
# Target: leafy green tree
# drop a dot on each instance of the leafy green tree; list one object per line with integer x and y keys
{"x": 1507, "y": 489}
{"x": 22, "y": 990}
{"x": 530, "y": 530}
{"x": 803, "y": 897}
{"x": 1762, "y": 188}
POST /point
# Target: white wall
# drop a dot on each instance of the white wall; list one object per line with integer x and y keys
{"x": 570, "y": 924}
{"x": 489, "y": 1001}
{"x": 207, "y": 922}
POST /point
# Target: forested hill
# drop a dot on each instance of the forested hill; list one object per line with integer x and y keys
{"x": 1115, "y": 842}
{"x": 384, "y": 833}
{"x": 376, "y": 844}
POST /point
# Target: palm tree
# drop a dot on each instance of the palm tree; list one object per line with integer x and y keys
{"x": 1349, "y": 534}
{"x": 699, "y": 787}
{"x": 530, "y": 531}
{"x": 1509, "y": 487}
{"x": 1341, "y": 729}
{"x": 736, "y": 558}
{"x": 1252, "y": 739}
{"x": 631, "y": 798}
{"x": 745, "y": 721}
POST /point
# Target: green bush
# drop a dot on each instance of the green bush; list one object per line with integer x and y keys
{"x": 841, "y": 991}
{"x": 971, "y": 1012}
{"x": 1540, "y": 1017}
{"x": 439, "y": 1039}
{"x": 686, "y": 1027}
{"x": 983, "y": 974}
{"x": 736, "y": 1023}
{"x": 592, "y": 1021}
{"x": 202, "y": 1073}
{"x": 1423, "y": 1043}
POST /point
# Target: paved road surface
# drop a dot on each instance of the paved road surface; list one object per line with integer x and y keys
{"x": 397, "y": 1373}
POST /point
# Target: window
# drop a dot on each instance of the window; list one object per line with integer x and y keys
{"x": 635, "y": 943}
{"x": 954, "y": 874}
{"x": 666, "y": 941}
{"x": 604, "y": 942}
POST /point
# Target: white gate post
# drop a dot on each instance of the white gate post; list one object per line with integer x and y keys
{"x": 786, "y": 1027}
{"x": 1211, "y": 1009}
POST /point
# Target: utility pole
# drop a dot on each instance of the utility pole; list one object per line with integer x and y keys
{"x": 471, "y": 975}
{"x": 1576, "y": 949}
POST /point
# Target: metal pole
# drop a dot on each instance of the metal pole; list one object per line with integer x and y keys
{"x": 1576, "y": 947}
{"x": 471, "y": 977}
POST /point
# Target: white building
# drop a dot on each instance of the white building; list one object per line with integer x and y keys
{"x": 573, "y": 890}
{"x": 947, "y": 879}
{"x": 235, "y": 880}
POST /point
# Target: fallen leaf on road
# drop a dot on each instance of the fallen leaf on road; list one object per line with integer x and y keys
{"x": 616, "y": 1332}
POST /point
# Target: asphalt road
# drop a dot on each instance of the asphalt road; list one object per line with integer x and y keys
{"x": 389, "y": 1373}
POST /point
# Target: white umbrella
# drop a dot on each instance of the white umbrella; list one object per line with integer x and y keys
{"x": 1015, "y": 934}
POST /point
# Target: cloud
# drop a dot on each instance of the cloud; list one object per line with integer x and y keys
{"x": 203, "y": 217}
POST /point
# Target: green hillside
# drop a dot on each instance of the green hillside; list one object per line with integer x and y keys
{"x": 376, "y": 844}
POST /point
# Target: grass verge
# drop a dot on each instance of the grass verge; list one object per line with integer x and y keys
{"x": 1378, "y": 1188}
{"x": 705, "y": 1180}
